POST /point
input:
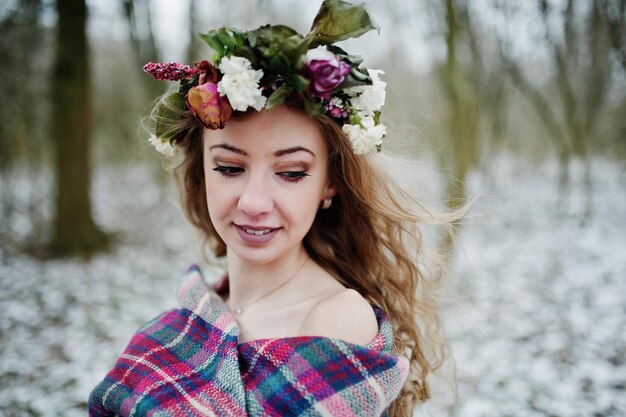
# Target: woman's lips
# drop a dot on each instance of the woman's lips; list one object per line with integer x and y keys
{"x": 255, "y": 234}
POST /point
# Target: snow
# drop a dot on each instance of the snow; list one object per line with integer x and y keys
{"x": 539, "y": 316}
{"x": 535, "y": 307}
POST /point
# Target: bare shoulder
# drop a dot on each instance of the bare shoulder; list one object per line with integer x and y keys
{"x": 345, "y": 315}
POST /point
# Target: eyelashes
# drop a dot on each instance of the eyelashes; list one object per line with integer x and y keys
{"x": 231, "y": 172}
{"x": 227, "y": 171}
{"x": 293, "y": 176}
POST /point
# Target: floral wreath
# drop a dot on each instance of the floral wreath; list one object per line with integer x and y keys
{"x": 259, "y": 69}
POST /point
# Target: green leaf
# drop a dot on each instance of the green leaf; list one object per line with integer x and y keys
{"x": 351, "y": 81}
{"x": 338, "y": 20}
{"x": 249, "y": 54}
{"x": 298, "y": 54}
{"x": 282, "y": 42}
{"x": 278, "y": 97}
{"x": 280, "y": 64}
{"x": 294, "y": 47}
{"x": 376, "y": 117}
{"x": 312, "y": 108}
{"x": 296, "y": 81}
{"x": 361, "y": 74}
{"x": 355, "y": 118}
{"x": 167, "y": 114}
{"x": 353, "y": 60}
{"x": 212, "y": 40}
{"x": 187, "y": 84}
{"x": 224, "y": 41}
{"x": 269, "y": 35}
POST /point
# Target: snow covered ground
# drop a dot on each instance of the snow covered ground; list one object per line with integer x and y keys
{"x": 538, "y": 322}
{"x": 536, "y": 307}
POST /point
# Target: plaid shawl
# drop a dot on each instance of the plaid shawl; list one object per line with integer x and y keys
{"x": 187, "y": 362}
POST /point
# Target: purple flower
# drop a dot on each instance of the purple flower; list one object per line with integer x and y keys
{"x": 171, "y": 71}
{"x": 325, "y": 71}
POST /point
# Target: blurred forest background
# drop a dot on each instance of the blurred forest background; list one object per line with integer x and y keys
{"x": 521, "y": 103}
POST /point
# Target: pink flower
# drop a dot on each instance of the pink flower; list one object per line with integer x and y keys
{"x": 171, "y": 71}
{"x": 325, "y": 71}
{"x": 208, "y": 106}
{"x": 337, "y": 109}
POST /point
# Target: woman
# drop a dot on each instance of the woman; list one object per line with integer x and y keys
{"x": 316, "y": 314}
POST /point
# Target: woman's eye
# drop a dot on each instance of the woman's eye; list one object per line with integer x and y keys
{"x": 227, "y": 171}
{"x": 293, "y": 176}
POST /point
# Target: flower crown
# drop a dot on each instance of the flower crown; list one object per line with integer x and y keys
{"x": 261, "y": 68}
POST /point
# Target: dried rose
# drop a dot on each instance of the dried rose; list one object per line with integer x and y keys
{"x": 205, "y": 102}
{"x": 325, "y": 71}
{"x": 208, "y": 73}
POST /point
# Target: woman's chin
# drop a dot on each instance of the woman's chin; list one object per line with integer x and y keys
{"x": 261, "y": 254}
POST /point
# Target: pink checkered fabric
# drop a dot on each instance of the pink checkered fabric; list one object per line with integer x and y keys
{"x": 188, "y": 362}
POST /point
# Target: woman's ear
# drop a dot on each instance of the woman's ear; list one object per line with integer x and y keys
{"x": 329, "y": 191}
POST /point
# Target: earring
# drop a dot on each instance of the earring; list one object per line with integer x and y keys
{"x": 326, "y": 203}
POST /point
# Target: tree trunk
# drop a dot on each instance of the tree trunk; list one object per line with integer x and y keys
{"x": 462, "y": 106}
{"x": 75, "y": 231}
{"x": 462, "y": 114}
{"x": 193, "y": 36}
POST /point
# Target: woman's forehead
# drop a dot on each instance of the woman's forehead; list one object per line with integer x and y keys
{"x": 269, "y": 132}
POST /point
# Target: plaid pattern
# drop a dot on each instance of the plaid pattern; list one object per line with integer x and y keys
{"x": 187, "y": 362}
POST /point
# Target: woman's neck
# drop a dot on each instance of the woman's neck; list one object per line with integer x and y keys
{"x": 248, "y": 282}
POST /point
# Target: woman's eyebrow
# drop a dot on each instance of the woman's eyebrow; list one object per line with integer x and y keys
{"x": 229, "y": 148}
{"x": 292, "y": 150}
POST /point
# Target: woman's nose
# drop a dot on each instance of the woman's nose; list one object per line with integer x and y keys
{"x": 256, "y": 197}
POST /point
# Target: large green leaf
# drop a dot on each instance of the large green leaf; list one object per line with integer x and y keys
{"x": 269, "y": 35}
{"x": 338, "y": 20}
{"x": 167, "y": 114}
{"x": 281, "y": 45}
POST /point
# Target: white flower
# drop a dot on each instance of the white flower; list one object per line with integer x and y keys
{"x": 366, "y": 136}
{"x": 164, "y": 148}
{"x": 369, "y": 98}
{"x": 337, "y": 102}
{"x": 240, "y": 83}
